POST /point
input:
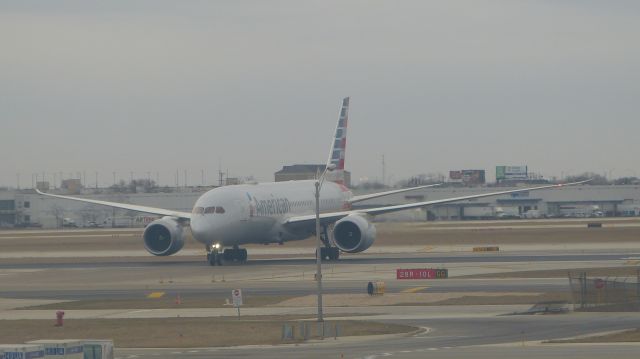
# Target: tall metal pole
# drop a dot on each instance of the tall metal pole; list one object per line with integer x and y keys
{"x": 318, "y": 256}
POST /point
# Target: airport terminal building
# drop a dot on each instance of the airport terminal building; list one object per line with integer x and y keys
{"x": 25, "y": 208}
{"x": 572, "y": 201}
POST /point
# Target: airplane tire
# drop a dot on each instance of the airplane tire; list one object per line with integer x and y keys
{"x": 243, "y": 255}
{"x": 229, "y": 255}
{"x": 323, "y": 254}
{"x": 332, "y": 253}
{"x": 211, "y": 258}
{"x": 335, "y": 253}
{"x": 219, "y": 259}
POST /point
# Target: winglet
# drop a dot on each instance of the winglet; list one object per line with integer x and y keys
{"x": 574, "y": 183}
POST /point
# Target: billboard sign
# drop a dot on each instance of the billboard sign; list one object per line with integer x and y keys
{"x": 236, "y": 296}
{"x": 473, "y": 176}
{"x": 467, "y": 176}
{"x": 511, "y": 172}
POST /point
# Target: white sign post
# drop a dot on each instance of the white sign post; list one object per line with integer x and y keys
{"x": 236, "y": 296}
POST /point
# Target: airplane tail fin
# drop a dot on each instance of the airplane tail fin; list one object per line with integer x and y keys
{"x": 339, "y": 145}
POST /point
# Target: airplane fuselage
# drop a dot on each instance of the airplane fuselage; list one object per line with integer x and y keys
{"x": 254, "y": 213}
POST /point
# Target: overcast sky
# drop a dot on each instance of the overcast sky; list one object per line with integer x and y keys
{"x": 159, "y": 86}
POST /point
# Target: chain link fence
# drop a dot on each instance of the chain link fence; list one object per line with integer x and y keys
{"x": 605, "y": 294}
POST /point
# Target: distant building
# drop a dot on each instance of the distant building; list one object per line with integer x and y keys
{"x": 305, "y": 172}
{"x": 42, "y": 186}
{"x": 467, "y": 177}
{"x": 232, "y": 181}
{"x": 71, "y": 186}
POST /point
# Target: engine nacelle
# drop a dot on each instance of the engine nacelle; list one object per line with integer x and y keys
{"x": 354, "y": 233}
{"x": 163, "y": 237}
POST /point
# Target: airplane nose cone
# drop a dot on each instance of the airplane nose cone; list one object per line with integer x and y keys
{"x": 198, "y": 229}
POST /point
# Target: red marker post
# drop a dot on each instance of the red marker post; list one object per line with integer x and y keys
{"x": 59, "y": 318}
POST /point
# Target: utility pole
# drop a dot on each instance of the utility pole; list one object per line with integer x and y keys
{"x": 383, "y": 171}
{"x": 318, "y": 185}
{"x": 96, "y": 179}
{"x": 18, "y": 180}
{"x": 318, "y": 254}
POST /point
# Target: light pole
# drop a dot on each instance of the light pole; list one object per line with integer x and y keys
{"x": 318, "y": 185}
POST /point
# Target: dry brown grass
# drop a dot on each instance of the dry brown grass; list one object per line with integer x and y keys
{"x": 628, "y": 271}
{"x": 403, "y": 234}
{"x": 177, "y": 332}
{"x": 507, "y": 299}
{"x": 166, "y": 302}
{"x": 631, "y": 335}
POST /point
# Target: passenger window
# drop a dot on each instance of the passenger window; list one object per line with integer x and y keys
{"x": 219, "y": 210}
{"x": 210, "y": 210}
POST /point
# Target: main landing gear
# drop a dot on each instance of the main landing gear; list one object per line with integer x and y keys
{"x": 229, "y": 255}
{"x": 328, "y": 252}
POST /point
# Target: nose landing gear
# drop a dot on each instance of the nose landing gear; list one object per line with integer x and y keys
{"x": 229, "y": 255}
{"x": 213, "y": 255}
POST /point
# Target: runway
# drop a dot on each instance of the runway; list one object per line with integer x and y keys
{"x": 111, "y": 280}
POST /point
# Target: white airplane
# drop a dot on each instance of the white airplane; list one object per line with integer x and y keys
{"x": 277, "y": 212}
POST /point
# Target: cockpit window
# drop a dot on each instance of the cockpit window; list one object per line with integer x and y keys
{"x": 198, "y": 210}
{"x": 210, "y": 210}
{"x": 219, "y": 210}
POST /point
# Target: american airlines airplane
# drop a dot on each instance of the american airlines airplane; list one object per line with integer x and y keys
{"x": 225, "y": 218}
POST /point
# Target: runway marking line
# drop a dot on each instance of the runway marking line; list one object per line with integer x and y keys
{"x": 155, "y": 295}
{"x": 414, "y": 289}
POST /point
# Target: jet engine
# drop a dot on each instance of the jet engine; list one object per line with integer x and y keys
{"x": 163, "y": 237}
{"x": 354, "y": 233}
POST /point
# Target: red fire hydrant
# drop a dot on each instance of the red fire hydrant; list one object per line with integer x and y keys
{"x": 59, "y": 318}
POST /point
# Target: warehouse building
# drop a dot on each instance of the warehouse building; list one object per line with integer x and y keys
{"x": 572, "y": 201}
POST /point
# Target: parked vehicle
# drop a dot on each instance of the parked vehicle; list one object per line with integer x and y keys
{"x": 69, "y": 223}
{"x": 532, "y": 213}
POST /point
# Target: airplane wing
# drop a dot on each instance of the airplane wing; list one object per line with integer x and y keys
{"x": 131, "y": 207}
{"x": 335, "y": 216}
{"x": 365, "y": 197}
